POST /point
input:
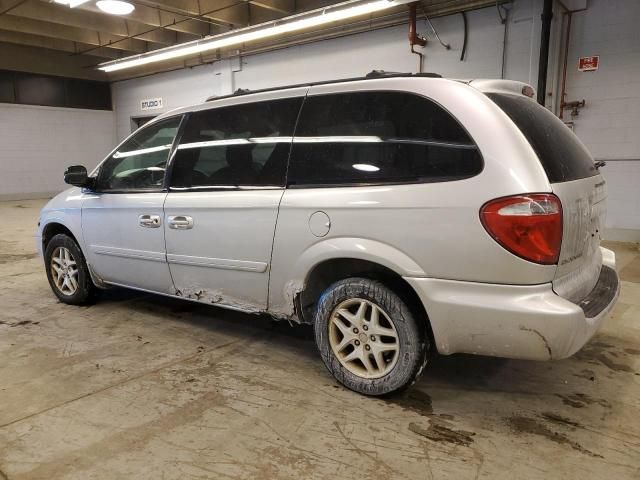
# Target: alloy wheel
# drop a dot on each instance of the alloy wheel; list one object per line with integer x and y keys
{"x": 363, "y": 338}
{"x": 64, "y": 271}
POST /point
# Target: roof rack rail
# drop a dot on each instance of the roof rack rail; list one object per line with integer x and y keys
{"x": 373, "y": 74}
{"x": 385, "y": 74}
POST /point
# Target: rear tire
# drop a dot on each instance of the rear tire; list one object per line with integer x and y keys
{"x": 368, "y": 337}
{"x": 67, "y": 271}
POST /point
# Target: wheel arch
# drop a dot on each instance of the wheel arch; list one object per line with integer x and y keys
{"x": 330, "y": 270}
{"x": 53, "y": 228}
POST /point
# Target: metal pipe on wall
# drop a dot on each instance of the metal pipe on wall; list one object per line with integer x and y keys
{"x": 464, "y": 38}
{"x": 414, "y": 38}
{"x": 563, "y": 88}
{"x": 543, "y": 63}
{"x": 563, "y": 85}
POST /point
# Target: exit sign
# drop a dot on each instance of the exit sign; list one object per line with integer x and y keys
{"x": 588, "y": 64}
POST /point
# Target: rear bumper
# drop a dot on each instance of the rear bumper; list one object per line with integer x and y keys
{"x": 515, "y": 321}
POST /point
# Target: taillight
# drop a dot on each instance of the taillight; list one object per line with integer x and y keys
{"x": 529, "y": 226}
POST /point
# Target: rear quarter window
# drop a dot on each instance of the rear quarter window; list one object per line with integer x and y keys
{"x": 562, "y": 155}
{"x": 379, "y": 137}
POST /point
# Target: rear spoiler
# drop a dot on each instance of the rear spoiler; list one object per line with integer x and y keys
{"x": 503, "y": 86}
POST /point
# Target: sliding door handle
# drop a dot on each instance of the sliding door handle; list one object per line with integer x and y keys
{"x": 180, "y": 222}
{"x": 149, "y": 221}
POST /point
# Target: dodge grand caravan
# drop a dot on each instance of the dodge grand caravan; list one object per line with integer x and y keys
{"x": 399, "y": 214}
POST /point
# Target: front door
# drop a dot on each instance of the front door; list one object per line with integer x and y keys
{"x": 122, "y": 220}
{"x": 226, "y": 182}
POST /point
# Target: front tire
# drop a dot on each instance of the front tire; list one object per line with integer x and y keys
{"x": 368, "y": 337}
{"x": 67, "y": 271}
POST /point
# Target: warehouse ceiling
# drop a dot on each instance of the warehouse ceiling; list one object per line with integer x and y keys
{"x": 48, "y": 37}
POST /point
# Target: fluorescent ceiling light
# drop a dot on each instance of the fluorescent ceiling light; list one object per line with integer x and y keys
{"x": 115, "y": 7}
{"x": 71, "y": 3}
{"x": 314, "y": 18}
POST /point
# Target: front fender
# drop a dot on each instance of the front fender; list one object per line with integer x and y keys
{"x": 65, "y": 209}
{"x": 71, "y": 220}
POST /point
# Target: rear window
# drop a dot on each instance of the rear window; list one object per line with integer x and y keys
{"x": 379, "y": 137}
{"x": 562, "y": 155}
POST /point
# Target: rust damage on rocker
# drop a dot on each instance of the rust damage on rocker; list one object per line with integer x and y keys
{"x": 216, "y": 297}
{"x": 291, "y": 310}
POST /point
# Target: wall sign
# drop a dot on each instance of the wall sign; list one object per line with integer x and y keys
{"x": 588, "y": 64}
{"x": 151, "y": 104}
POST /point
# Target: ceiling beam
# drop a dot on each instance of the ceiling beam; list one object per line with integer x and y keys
{"x": 261, "y": 15}
{"x": 9, "y": 5}
{"x": 146, "y": 17}
{"x": 224, "y": 13}
{"x": 283, "y": 7}
{"x": 20, "y": 38}
{"x": 74, "y": 34}
{"x": 63, "y": 15}
{"x": 438, "y": 8}
{"x": 23, "y": 58}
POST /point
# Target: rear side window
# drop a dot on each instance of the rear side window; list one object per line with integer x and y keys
{"x": 562, "y": 155}
{"x": 241, "y": 145}
{"x": 379, "y": 137}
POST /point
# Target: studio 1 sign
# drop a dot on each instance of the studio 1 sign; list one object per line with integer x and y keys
{"x": 151, "y": 104}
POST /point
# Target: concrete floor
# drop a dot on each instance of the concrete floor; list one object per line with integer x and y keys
{"x": 141, "y": 386}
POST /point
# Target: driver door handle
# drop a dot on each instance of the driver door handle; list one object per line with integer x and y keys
{"x": 149, "y": 221}
{"x": 180, "y": 222}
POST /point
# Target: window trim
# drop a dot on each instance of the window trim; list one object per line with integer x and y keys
{"x": 96, "y": 172}
{"x": 474, "y": 145}
{"x": 229, "y": 188}
{"x": 378, "y": 184}
{"x": 168, "y": 173}
{"x": 224, "y": 188}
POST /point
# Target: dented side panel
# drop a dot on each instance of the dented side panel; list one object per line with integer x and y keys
{"x": 434, "y": 225}
{"x": 225, "y": 258}
{"x": 514, "y": 321}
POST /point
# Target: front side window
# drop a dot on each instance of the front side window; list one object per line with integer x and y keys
{"x": 140, "y": 162}
{"x": 238, "y": 146}
{"x": 379, "y": 137}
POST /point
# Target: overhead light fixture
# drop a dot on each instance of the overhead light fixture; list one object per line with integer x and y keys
{"x": 115, "y": 7}
{"x": 313, "y": 18}
{"x": 71, "y": 3}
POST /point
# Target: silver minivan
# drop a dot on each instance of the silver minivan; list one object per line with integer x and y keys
{"x": 401, "y": 215}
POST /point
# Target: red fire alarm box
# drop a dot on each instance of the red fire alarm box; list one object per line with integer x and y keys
{"x": 588, "y": 64}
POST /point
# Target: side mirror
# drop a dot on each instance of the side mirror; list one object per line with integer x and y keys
{"x": 77, "y": 175}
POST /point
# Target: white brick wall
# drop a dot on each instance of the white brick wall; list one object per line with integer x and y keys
{"x": 623, "y": 208}
{"x": 350, "y": 56}
{"x": 609, "y": 126}
{"x": 39, "y": 142}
